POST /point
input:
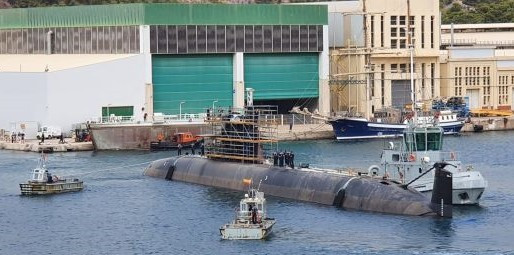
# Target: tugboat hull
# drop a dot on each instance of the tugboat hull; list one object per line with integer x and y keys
{"x": 468, "y": 187}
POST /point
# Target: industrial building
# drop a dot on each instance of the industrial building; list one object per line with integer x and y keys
{"x": 65, "y": 65}
{"x": 478, "y": 63}
{"x": 370, "y": 56}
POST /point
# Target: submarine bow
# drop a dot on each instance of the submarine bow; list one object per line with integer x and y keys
{"x": 309, "y": 185}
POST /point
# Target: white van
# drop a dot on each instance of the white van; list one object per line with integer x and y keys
{"x": 49, "y": 132}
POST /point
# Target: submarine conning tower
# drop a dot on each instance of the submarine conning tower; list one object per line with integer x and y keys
{"x": 241, "y": 145}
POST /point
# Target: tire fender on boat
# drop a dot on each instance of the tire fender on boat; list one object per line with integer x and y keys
{"x": 373, "y": 170}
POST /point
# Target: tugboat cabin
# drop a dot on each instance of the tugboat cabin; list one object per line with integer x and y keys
{"x": 423, "y": 139}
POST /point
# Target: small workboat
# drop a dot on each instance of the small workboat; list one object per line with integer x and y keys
{"x": 44, "y": 183}
{"x": 251, "y": 221}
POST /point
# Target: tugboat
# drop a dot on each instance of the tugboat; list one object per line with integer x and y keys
{"x": 251, "y": 221}
{"x": 410, "y": 163}
{"x": 44, "y": 183}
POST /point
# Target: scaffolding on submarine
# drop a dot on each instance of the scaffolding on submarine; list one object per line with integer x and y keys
{"x": 247, "y": 135}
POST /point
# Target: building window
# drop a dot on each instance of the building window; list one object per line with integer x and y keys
{"x": 394, "y": 68}
{"x": 423, "y": 77}
{"x": 372, "y": 80}
{"x": 394, "y": 20}
{"x": 432, "y": 31}
{"x": 382, "y": 83}
{"x": 422, "y": 31}
{"x": 382, "y": 31}
{"x": 394, "y": 32}
{"x": 372, "y": 31}
{"x": 403, "y": 44}
{"x": 403, "y": 68}
{"x": 432, "y": 79}
{"x": 394, "y": 43}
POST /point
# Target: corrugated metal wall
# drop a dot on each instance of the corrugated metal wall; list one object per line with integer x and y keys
{"x": 196, "y": 80}
{"x": 282, "y": 76}
{"x": 162, "y": 14}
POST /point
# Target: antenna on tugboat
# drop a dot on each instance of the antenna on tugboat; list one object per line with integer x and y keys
{"x": 412, "y": 91}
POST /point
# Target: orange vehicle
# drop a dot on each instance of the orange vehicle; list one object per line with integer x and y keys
{"x": 186, "y": 139}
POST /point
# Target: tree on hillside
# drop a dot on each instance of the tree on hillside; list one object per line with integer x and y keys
{"x": 501, "y": 11}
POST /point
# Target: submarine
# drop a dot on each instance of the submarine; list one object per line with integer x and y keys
{"x": 238, "y": 152}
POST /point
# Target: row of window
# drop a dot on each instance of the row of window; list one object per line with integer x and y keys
{"x": 70, "y": 40}
{"x": 504, "y": 79}
{"x": 221, "y": 39}
{"x": 503, "y": 94}
{"x": 472, "y": 70}
{"x": 401, "y": 31}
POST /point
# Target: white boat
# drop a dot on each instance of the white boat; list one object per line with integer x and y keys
{"x": 251, "y": 221}
{"x": 44, "y": 183}
{"x": 410, "y": 162}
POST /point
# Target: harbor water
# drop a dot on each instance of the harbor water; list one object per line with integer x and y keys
{"x": 123, "y": 212}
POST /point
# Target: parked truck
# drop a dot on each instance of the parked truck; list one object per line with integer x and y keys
{"x": 49, "y": 132}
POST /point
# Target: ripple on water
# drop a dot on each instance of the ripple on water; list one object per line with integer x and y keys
{"x": 123, "y": 212}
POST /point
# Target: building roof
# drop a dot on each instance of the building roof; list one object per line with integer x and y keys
{"x": 164, "y": 14}
{"x": 478, "y": 26}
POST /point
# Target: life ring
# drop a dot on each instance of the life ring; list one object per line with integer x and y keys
{"x": 373, "y": 170}
{"x": 412, "y": 157}
{"x": 452, "y": 155}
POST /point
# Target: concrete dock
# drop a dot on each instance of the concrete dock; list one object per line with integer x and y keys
{"x": 490, "y": 124}
{"x": 305, "y": 132}
{"x": 48, "y": 146}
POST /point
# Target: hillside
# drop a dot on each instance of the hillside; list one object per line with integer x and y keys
{"x": 477, "y": 11}
{"x": 453, "y": 11}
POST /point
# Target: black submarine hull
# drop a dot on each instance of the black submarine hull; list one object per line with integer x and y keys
{"x": 309, "y": 185}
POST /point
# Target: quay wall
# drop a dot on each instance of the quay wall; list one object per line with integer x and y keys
{"x": 52, "y": 146}
{"x": 139, "y": 136}
{"x": 490, "y": 124}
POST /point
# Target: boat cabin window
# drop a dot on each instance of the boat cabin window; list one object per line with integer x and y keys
{"x": 420, "y": 141}
{"x": 434, "y": 141}
{"x": 396, "y": 157}
{"x": 429, "y": 140}
{"x": 408, "y": 139}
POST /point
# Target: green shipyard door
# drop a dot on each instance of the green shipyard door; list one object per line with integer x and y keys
{"x": 282, "y": 76}
{"x": 191, "y": 82}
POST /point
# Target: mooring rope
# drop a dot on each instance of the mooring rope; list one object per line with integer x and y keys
{"x": 109, "y": 169}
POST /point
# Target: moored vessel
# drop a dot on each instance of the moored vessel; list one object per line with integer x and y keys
{"x": 353, "y": 128}
{"x": 251, "y": 221}
{"x": 410, "y": 162}
{"x": 44, "y": 183}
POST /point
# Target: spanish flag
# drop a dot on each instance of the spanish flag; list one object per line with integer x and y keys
{"x": 247, "y": 181}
